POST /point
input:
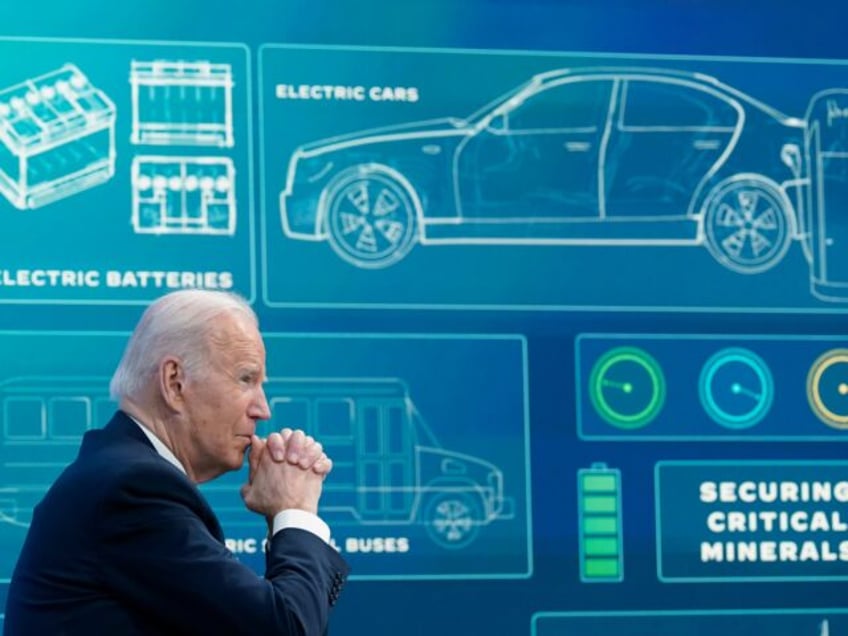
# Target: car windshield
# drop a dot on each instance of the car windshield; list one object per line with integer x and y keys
{"x": 502, "y": 99}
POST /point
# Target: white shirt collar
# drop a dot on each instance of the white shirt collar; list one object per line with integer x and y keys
{"x": 160, "y": 447}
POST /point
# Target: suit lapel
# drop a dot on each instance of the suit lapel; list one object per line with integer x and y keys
{"x": 121, "y": 429}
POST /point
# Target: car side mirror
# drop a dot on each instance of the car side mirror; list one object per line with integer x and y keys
{"x": 790, "y": 154}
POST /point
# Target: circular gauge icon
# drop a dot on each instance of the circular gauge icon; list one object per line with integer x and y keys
{"x": 627, "y": 387}
{"x": 736, "y": 388}
{"x": 827, "y": 388}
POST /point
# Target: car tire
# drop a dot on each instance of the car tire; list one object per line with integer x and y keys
{"x": 748, "y": 224}
{"x": 453, "y": 519}
{"x": 370, "y": 216}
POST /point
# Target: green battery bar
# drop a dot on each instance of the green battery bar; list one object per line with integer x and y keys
{"x": 599, "y": 513}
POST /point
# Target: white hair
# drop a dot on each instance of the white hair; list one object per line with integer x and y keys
{"x": 176, "y": 324}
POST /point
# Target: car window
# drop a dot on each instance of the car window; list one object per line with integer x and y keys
{"x": 655, "y": 104}
{"x": 566, "y": 106}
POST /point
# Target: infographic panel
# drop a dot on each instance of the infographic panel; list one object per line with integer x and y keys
{"x": 781, "y": 622}
{"x": 497, "y": 179}
{"x": 738, "y": 475}
{"x": 430, "y": 448}
{"x": 739, "y": 521}
{"x": 712, "y": 388}
{"x": 146, "y": 146}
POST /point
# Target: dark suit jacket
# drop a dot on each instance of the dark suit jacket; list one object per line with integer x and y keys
{"x": 124, "y": 544}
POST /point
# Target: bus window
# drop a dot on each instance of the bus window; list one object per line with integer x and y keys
{"x": 334, "y": 419}
{"x": 68, "y": 418}
{"x": 24, "y": 418}
{"x": 104, "y": 409}
{"x": 290, "y": 413}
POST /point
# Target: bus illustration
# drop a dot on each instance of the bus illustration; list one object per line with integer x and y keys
{"x": 388, "y": 467}
{"x": 44, "y": 419}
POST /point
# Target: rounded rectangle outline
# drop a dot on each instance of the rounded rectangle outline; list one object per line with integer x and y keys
{"x": 729, "y": 462}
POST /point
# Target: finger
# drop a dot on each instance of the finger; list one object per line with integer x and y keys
{"x": 311, "y": 452}
{"x": 276, "y": 446}
{"x": 323, "y": 465}
{"x": 295, "y": 447}
{"x": 257, "y": 447}
{"x": 286, "y": 433}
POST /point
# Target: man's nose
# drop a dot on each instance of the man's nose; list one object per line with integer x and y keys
{"x": 260, "y": 408}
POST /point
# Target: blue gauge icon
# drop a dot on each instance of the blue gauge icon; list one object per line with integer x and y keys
{"x": 736, "y": 388}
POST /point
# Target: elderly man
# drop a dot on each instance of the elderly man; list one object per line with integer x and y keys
{"x": 124, "y": 543}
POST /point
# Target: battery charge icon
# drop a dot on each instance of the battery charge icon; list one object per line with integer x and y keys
{"x": 599, "y": 513}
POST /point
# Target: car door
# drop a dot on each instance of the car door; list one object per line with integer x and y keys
{"x": 668, "y": 135}
{"x": 537, "y": 159}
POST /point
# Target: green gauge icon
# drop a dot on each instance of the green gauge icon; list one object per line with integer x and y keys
{"x": 827, "y": 388}
{"x": 736, "y": 388}
{"x": 627, "y": 387}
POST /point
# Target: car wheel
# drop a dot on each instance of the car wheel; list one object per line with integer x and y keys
{"x": 747, "y": 225}
{"x": 453, "y": 519}
{"x": 370, "y": 217}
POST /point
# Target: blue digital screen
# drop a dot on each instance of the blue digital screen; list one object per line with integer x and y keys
{"x": 561, "y": 287}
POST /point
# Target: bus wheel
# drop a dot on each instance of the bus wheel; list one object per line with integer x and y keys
{"x": 370, "y": 217}
{"x": 453, "y": 519}
{"x": 748, "y": 225}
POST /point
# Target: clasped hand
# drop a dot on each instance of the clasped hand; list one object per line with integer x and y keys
{"x": 287, "y": 470}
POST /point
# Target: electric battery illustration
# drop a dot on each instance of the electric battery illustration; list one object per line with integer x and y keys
{"x": 183, "y": 195}
{"x": 182, "y": 103}
{"x": 57, "y": 138}
{"x": 599, "y": 514}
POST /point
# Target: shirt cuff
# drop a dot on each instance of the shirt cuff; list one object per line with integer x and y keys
{"x": 294, "y": 518}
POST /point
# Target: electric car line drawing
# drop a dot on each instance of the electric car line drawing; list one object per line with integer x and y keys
{"x": 594, "y": 156}
{"x": 388, "y": 467}
{"x": 178, "y": 102}
{"x": 57, "y": 138}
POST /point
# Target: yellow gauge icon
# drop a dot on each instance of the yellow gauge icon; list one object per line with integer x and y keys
{"x": 827, "y": 388}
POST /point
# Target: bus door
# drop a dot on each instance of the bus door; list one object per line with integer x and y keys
{"x": 386, "y": 459}
{"x": 333, "y": 425}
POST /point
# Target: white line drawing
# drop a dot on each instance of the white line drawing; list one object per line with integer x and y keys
{"x": 44, "y": 419}
{"x": 675, "y": 622}
{"x": 827, "y": 156}
{"x": 183, "y": 195}
{"x": 593, "y": 156}
{"x": 182, "y": 103}
{"x": 57, "y": 138}
{"x": 388, "y": 467}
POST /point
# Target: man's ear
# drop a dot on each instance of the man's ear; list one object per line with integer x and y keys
{"x": 172, "y": 383}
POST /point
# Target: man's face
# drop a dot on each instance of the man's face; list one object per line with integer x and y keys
{"x": 224, "y": 399}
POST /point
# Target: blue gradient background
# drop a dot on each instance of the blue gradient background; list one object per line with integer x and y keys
{"x": 812, "y": 29}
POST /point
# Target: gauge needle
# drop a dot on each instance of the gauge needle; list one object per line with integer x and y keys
{"x": 627, "y": 387}
{"x": 738, "y": 389}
